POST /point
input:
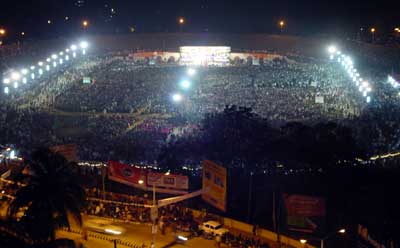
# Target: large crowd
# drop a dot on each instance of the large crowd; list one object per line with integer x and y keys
{"x": 126, "y": 111}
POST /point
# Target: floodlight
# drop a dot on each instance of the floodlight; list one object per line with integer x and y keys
{"x": 15, "y": 76}
{"x": 83, "y": 44}
{"x": 182, "y": 238}
{"x": 15, "y": 85}
{"x": 48, "y": 59}
{"x": 40, "y": 71}
{"x": 32, "y": 75}
{"x": 47, "y": 68}
{"x": 32, "y": 67}
{"x": 6, "y": 81}
{"x": 61, "y": 53}
{"x": 191, "y": 71}
{"x": 368, "y": 99}
{"x": 6, "y": 90}
{"x": 40, "y": 63}
{"x": 83, "y": 52}
{"x": 60, "y": 61}
{"x": 67, "y": 50}
{"x": 12, "y": 154}
{"x": 24, "y": 71}
{"x": 54, "y": 56}
{"x": 185, "y": 84}
{"x": 73, "y": 47}
{"x": 360, "y": 88}
{"x": 66, "y": 57}
{"x": 24, "y": 80}
{"x": 74, "y": 54}
{"x": 177, "y": 97}
{"x": 54, "y": 64}
{"x": 332, "y": 49}
{"x": 365, "y": 93}
{"x": 331, "y": 57}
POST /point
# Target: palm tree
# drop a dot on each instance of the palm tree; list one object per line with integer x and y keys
{"x": 51, "y": 196}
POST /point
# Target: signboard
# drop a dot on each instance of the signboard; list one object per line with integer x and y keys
{"x": 205, "y": 55}
{"x": 86, "y": 80}
{"x": 68, "y": 151}
{"x": 171, "y": 181}
{"x": 304, "y": 213}
{"x": 214, "y": 184}
{"x": 124, "y": 173}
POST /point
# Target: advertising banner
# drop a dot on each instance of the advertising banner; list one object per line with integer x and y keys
{"x": 214, "y": 184}
{"x": 171, "y": 181}
{"x": 304, "y": 213}
{"x": 124, "y": 173}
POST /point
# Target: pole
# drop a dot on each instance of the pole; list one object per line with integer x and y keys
{"x": 153, "y": 228}
{"x": 249, "y": 198}
{"x": 103, "y": 178}
{"x": 322, "y": 243}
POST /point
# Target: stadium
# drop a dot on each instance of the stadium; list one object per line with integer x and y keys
{"x": 130, "y": 95}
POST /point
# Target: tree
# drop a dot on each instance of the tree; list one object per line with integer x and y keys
{"x": 51, "y": 196}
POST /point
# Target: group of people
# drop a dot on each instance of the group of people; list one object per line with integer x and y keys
{"x": 126, "y": 109}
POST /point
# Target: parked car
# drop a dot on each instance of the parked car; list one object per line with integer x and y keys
{"x": 214, "y": 228}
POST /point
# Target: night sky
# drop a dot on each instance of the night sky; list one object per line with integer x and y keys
{"x": 304, "y": 17}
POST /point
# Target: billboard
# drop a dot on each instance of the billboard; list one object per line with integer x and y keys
{"x": 124, "y": 173}
{"x": 69, "y": 151}
{"x": 170, "y": 181}
{"x": 304, "y": 213}
{"x": 214, "y": 184}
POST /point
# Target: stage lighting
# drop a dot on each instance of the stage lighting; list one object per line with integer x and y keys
{"x": 185, "y": 84}
{"x": 191, "y": 72}
{"x": 83, "y": 44}
{"x": 177, "y": 97}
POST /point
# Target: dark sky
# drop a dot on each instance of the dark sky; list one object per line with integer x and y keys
{"x": 302, "y": 16}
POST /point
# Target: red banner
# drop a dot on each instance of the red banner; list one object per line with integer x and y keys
{"x": 124, "y": 173}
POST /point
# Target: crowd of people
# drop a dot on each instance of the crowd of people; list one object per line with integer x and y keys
{"x": 126, "y": 110}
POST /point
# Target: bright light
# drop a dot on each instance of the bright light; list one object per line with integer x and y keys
{"x": 47, "y": 68}
{"x": 113, "y": 232}
{"x": 140, "y": 181}
{"x": 6, "y": 81}
{"x": 12, "y": 154}
{"x": 83, "y": 52}
{"x": 85, "y": 23}
{"x": 74, "y": 54}
{"x": 282, "y": 23}
{"x": 331, "y": 57}
{"x": 364, "y": 93}
{"x": 15, "y": 85}
{"x": 67, "y": 50}
{"x": 40, "y": 71}
{"x": 185, "y": 84}
{"x": 66, "y": 57}
{"x": 6, "y": 90}
{"x": 54, "y": 56}
{"x": 73, "y": 47}
{"x": 84, "y": 45}
{"x": 182, "y": 238}
{"x": 61, "y": 53}
{"x": 54, "y": 64}
{"x": 24, "y": 71}
{"x": 48, "y": 59}
{"x": 177, "y": 97}
{"x": 32, "y": 75}
{"x": 32, "y": 67}
{"x": 368, "y": 99}
{"x": 24, "y": 80}
{"x": 332, "y": 49}
{"x": 191, "y": 71}
{"x": 15, "y": 76}
{"x": 167, "y": 173}
{"x": 342, "y": 230}
{"x": 2, "y": 31}
{"x": 303, "y": 241}
{"x": 373, "y": 30}
{"x": 181, "y": 20}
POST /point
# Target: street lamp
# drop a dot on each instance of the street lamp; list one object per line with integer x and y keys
{"x": 341, "y": 231}
{"x": 303, "y": 241}
{"x": 373, "y": 30}
{"x": 281, "y": 25}
{"x": 181, "y": 20}
{"x": 85, "y": 24}
{"x": 2, "y": 31}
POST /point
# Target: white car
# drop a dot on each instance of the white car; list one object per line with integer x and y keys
{"x": 103, "y": 226}
{"x": 214, "y": 228}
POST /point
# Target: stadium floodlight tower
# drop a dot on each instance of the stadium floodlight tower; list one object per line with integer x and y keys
{"x": 332, "y": 49}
